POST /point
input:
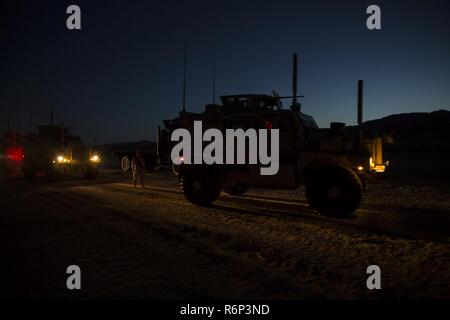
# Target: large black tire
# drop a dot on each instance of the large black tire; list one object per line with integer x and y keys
{"x": 237, "y": 189}
{"x": 125, "y": 163}
{"x": 200, "y": 185}
{"x": 333, "y": 191}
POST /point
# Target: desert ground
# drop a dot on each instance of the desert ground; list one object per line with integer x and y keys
{"x": 134, "y": 243}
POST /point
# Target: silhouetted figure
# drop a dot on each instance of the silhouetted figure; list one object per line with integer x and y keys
{"x": 138, "y": 168}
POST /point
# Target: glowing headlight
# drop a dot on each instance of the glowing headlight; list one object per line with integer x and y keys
{"x": 95, "y": 158}
{"x": 360, "y": 168}
{"x": 61, "y": 159}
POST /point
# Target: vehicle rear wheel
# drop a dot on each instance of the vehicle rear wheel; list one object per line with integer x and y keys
{"x": 200, "y": 185}
{"x": 237, "y": 189}
{"x": 333, "y": 191}
{"x": 125, "y": 163}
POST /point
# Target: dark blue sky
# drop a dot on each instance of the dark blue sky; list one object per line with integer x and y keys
{"x": 119, "y": 76}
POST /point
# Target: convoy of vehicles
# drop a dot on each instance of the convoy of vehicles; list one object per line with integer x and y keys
{"x": 331, "y": 163}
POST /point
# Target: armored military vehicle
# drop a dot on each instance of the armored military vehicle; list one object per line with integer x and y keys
{"x": 55, "y": 151}
{"x": 11, "y": 152}
{"x": 331, "y": 163}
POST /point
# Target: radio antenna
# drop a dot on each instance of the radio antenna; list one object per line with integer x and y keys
{"x": 213, "y": 76}
{"x": 184, "y": 75}
{"x": 295, "y": 104}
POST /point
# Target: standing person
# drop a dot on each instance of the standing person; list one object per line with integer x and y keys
{"x": 138, "y": 168}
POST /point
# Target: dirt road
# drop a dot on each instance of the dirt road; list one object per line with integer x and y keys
{"x": 136, "y": 243}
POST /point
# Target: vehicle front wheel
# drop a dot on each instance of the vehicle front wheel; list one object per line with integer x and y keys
{"x": 200, "y": 185}
{"x": 333, "y": 191}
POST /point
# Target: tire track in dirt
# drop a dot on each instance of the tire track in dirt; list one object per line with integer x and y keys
{"x": 283, "y": 238}
{"x": 182, "y": 236}
{"x": 393, "y": 222}
{"x": 271, "y": 238}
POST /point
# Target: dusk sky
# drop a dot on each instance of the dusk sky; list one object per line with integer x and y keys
{"x": 118, "y": 77}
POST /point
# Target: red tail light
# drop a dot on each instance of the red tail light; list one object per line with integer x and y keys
{"x": 15, "y": 154}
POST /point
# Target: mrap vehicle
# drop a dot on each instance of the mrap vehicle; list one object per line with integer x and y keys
{"x": 11, "y": 152}
{"x": 331, "y": 163}
{"x": 55, "y": 151}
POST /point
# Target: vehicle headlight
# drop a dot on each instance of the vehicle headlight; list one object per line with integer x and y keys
{"x": 95, "y": 158}
{"x": 61, "y": 159}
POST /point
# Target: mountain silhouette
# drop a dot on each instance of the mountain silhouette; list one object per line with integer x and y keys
{"x": 417, "y": 131}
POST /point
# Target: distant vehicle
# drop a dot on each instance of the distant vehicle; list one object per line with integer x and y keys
{"x": 332, "y": 163}
{"x": 156, "y": 155}
{"x": 126, "y": 151}
{"x": 11, "y": 152}
{"x": 55, "y": 151}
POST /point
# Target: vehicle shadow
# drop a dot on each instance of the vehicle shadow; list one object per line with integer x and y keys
{"x": 362, "y": 221}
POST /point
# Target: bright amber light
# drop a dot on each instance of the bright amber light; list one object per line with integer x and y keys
{"x": 95, "y": 158}
{"x": 360, "y": 168}
{"x": 61, "y": 159}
